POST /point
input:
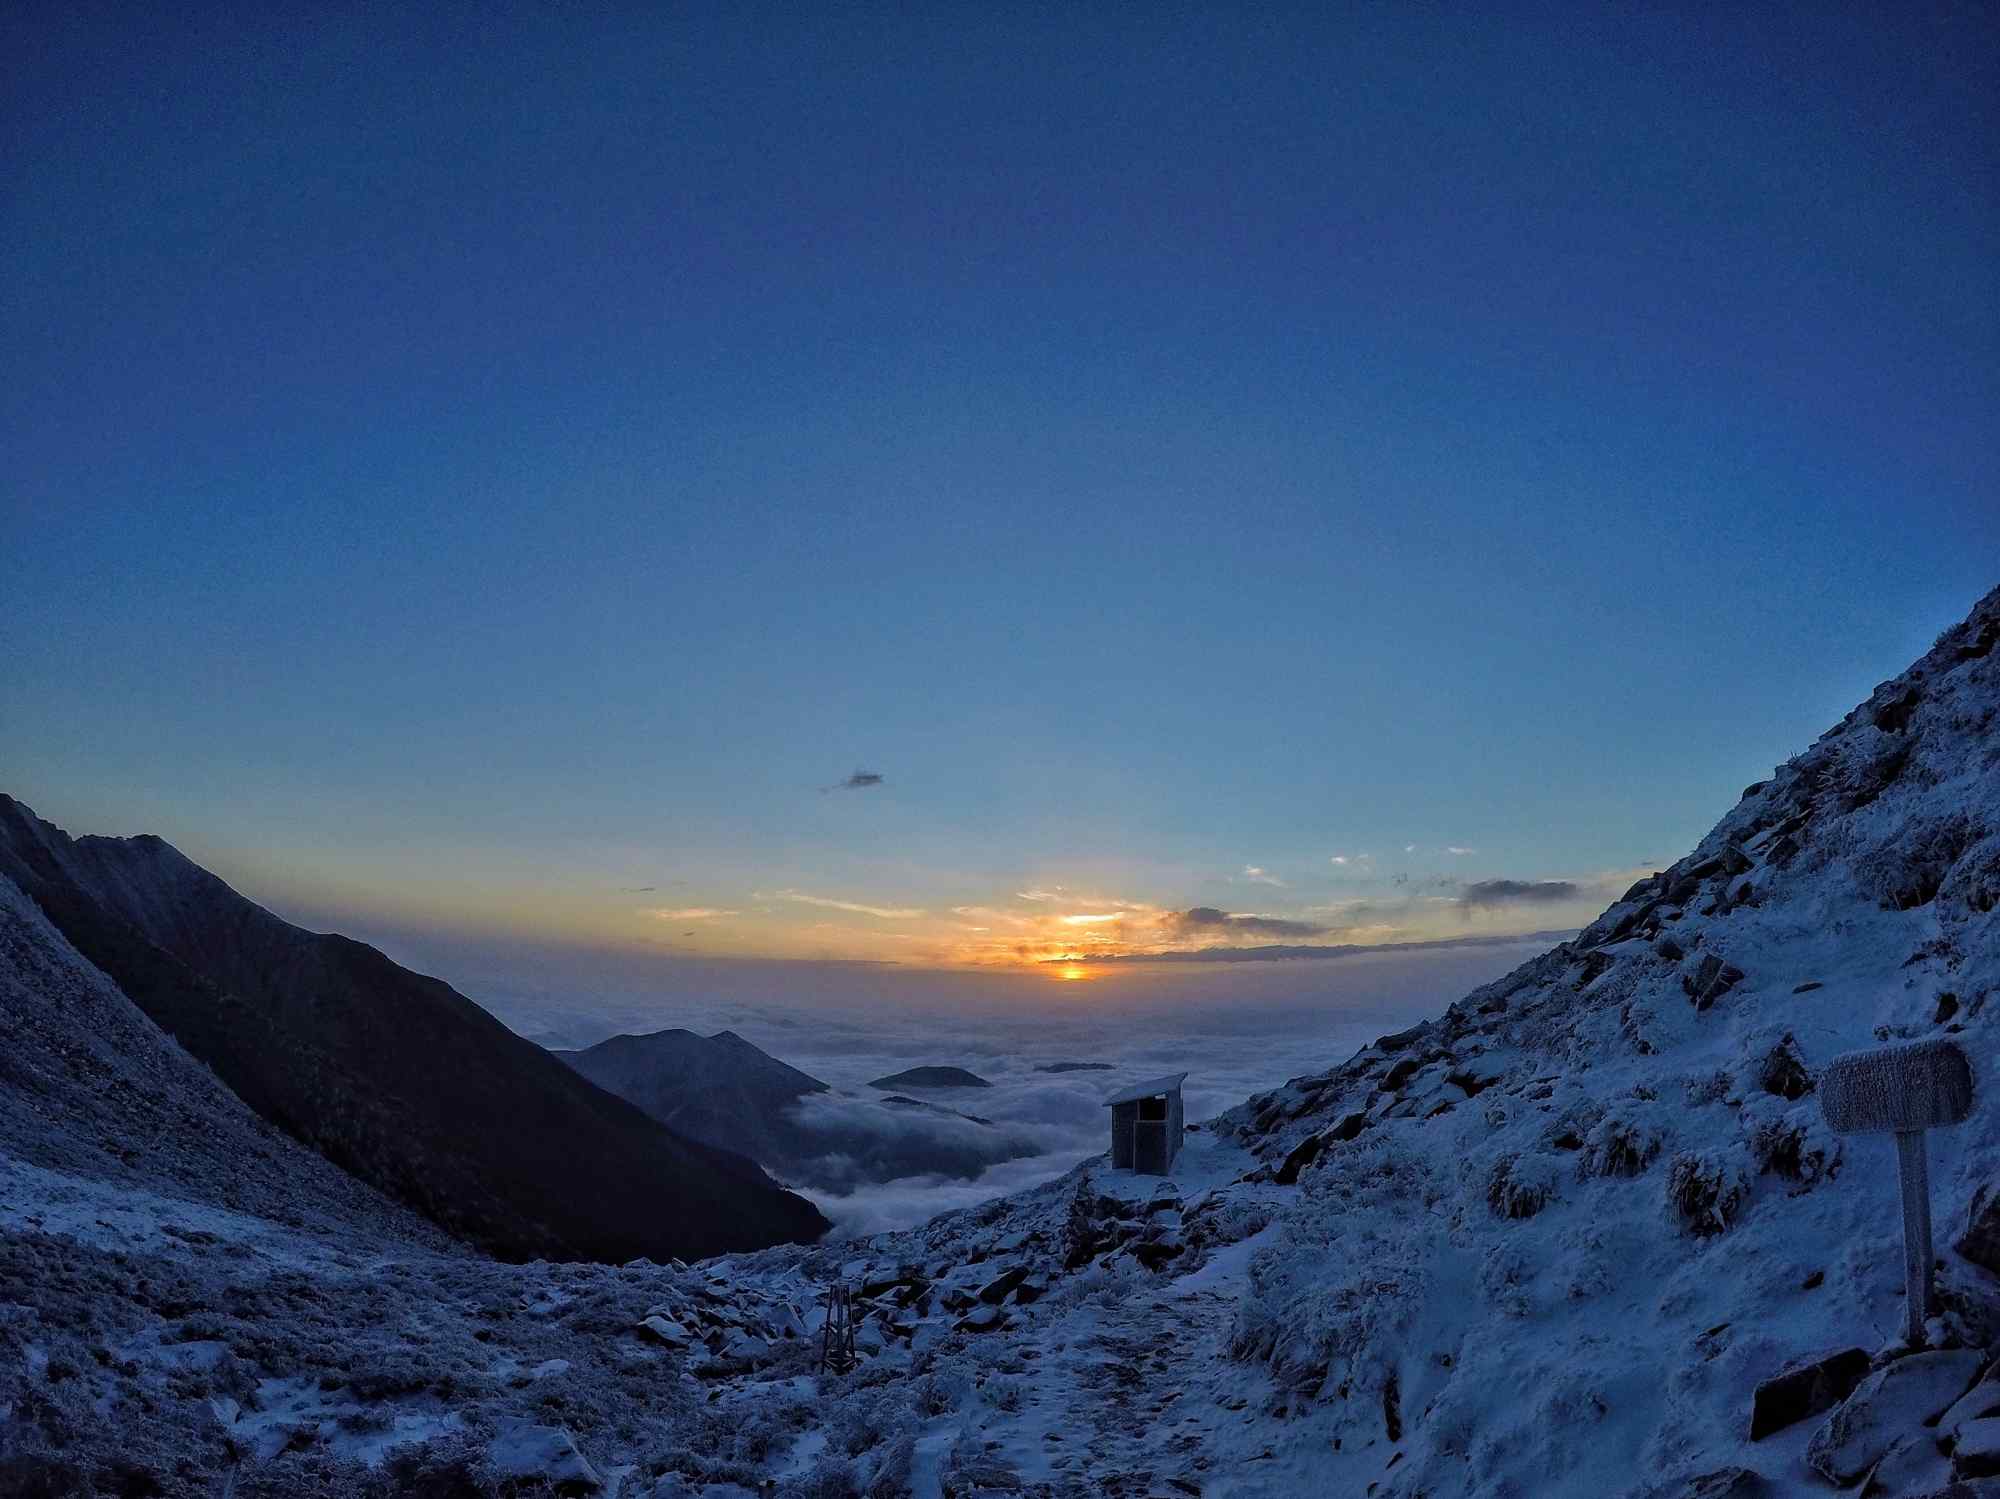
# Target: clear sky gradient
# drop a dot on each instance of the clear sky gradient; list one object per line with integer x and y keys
{"x": 491, "y": 471}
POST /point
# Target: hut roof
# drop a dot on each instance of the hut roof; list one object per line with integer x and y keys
{"x": 1151, "y": 1088}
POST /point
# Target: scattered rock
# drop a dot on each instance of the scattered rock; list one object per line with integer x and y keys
{"x": 1298, "y": 1158}
{"x": 995, "y": 1291}
{"x": 1805, "y": 1389}
{"x": 1976, "y": 1453}
{"x": 544, "y": 1453}
{"x": 1980, "y": 1242}
{"x": 1983, "y": 1399}
{"x": 1723, "y": 1483}
{"x": 665, "y": 1330}
{"x": 1711, "y": 979}
{"x": 982, "y": 1319}
{"x": 1401, "y": 1039}
{"x": 1783, "y": 1071}
{"x": 1886, "y": 1406}
{"x": 1807, "y": 987}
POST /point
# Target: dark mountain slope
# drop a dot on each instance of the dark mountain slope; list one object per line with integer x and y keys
{"x": 92, "y": 1088}
{"x": 391, "y": 1075}
{"x": 712, "y": 1088}
{"x": 722, "y": 1089}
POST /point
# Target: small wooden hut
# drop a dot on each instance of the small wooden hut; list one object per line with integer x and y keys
{"x": 1146, "y": 1125}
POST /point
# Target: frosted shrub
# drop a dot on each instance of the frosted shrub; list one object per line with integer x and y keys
{"x": 1908, "y": 867}
{"x": 1793, "y": 1143}
{"x": 1005, "y": 1394}
{"x": 891, "y": 1479}
{"x": 1222, "y": 1221}
{"x": 938, "y": 1394}
{"x": 1521, "y": 1186}
{"x": 1618, "y": 1146}
{"x": 1972, "y": 887}
{"x": 829, "y": 1478}
{"x": 1706, "y": 1191}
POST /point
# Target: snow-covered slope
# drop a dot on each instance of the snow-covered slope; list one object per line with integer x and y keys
{"x": 1556, "y": 1238}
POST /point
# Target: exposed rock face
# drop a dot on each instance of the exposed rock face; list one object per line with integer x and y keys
{"x": 1808, "y": 1389}
{"x": 1980, "y": 1242}
{"x": 334, "y": 1044}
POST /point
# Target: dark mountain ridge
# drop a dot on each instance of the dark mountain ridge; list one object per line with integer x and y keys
{"x": 931, "y": 1077}
{"x": 391, "y": 1075}
{"x": 721, "y": 1088}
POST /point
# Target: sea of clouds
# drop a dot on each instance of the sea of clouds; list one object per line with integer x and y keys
{"x": 1235, "y": 1030}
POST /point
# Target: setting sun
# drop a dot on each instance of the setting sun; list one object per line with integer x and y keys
{"x": 1071, "y": 973}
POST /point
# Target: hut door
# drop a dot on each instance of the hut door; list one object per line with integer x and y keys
{"x": 1150, "y": 1142}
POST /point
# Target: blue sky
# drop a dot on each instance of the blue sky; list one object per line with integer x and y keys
{"x": 465, "y": 469}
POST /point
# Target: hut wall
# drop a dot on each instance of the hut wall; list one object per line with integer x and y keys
{"x": 1124, "y": 1118}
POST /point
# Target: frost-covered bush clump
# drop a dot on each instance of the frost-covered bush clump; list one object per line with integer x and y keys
{"x": 1520, "y": 1186}
{"x": 1908, "y": 866}
{"x": 1618, "y": 1146}
{"x": 1706, "y": 1191}
{"x": 1793, "y": 1143}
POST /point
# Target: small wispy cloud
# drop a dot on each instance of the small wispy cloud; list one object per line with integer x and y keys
{"x": 1256, "y": 874}
{"x": 861, "y": 780}
{"x": 638, "y": 889}
{"x": 859, "y": 908}
{"x": 689, "y": 913}
{"x": 1345, "y": 860}
{"x": 1091, "y": 918}
{"x": 1453, "y": 848}
{"x": 1055, "y": 894}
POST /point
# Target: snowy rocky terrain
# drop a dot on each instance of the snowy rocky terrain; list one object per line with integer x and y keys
{"x": 1572, "y": 1237}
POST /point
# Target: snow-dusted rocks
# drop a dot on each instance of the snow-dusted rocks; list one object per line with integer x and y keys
{"x": 543, "y": 1454}
{"x": 1891, "y": 1407}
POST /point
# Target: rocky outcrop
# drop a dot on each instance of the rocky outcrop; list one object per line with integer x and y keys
{"x": 1808, "y": 1388}
{"x": 1888, "y": 1410}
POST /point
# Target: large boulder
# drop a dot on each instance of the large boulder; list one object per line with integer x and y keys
{"x": 543, "y": 1454}
{"x": 1977, "y": 1452}
{"x": 1892, "y": 1403}
{"x": 1807, "y": 1388}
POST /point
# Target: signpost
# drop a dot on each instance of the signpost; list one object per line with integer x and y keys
{"x": 1903, "y": 1090}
